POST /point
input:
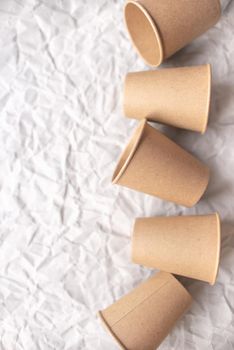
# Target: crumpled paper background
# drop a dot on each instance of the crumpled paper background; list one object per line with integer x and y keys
{"x": 64, "y": 229}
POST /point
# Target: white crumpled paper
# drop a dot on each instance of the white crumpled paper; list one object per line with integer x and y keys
{"x": 64, "y": 229}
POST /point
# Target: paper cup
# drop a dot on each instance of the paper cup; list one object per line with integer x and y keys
{"x": 176, "y": 96}
{"x": 153, "y": 164}
{"x": 159, "y": 28}
{"x": 144, "y": 317}
{"x": 184, "y": 245}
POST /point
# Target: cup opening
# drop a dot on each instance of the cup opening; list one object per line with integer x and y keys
{"x": 128, "y": 153}
{"x": 144, "y": 33}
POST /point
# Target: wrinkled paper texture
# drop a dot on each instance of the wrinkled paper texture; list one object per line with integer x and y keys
{"x": 64, "y": 228}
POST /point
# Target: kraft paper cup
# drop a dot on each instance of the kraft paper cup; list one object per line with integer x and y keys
{"x": 153, "y": 164}
{"x": 159, "y": 28}
{"x": 145, "y": 316}
{"x": 184, "y": 245}
{"x": 176, "y": 96}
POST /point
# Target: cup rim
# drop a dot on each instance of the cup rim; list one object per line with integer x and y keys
{"x": 108, "y": 328}
{"x": 129, "y": 151}
{"x": 209, "y": 82}
{"x": 218, "y": 236}
{"x": 155, "y": 31}
{"x": 219, "y": 10}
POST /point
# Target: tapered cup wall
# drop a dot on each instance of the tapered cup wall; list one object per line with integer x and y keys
{"x": 160, "y": 28}
{"x": 153, "y": 164}
{"x": 176, "y": 96}
{"x": 184, "y": 245}
{"x": 144, "y": 317}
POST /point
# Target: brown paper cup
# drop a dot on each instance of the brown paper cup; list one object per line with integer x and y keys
{"x": 153, "y": 164}
{"x": 144, "y": 317}
{"x": 184, "y": 245}
{"x": 176, "y": 96}
{"x": 160, "y": 28}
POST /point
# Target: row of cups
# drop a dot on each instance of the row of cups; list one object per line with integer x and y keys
{"x": 180, "y": 245}
{"x": 176, "y": 96}
{"x": 154, "y": 164}
{"x": 151, "y": 162}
